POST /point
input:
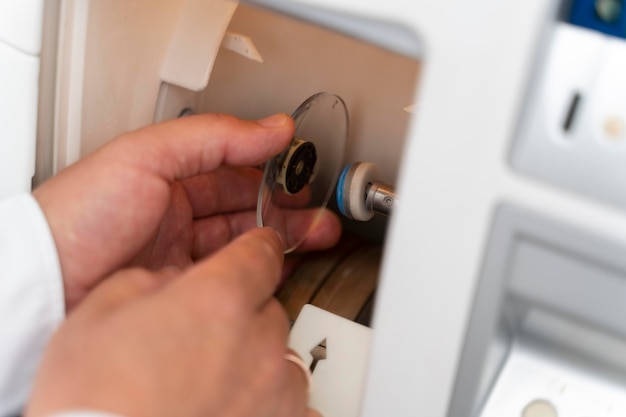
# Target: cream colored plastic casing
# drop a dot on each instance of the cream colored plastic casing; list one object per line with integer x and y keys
{"x": 125, "y": 64}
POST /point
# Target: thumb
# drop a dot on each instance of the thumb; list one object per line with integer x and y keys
{"x": 312, "y": 413}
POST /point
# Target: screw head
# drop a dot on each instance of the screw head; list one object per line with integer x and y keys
{"x": 608, "y": 10}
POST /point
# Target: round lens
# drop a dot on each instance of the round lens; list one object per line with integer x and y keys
{"x": 298, "y": 183}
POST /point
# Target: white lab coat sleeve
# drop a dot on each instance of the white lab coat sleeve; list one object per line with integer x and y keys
{"x": 31, "y": 297}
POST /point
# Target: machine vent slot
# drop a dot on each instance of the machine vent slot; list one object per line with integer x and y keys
{"x": 571, "y": 112}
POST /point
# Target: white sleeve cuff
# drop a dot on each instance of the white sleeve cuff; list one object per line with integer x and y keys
{"x": 31, "y": 297}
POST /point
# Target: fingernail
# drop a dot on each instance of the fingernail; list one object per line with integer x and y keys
{"x": 313, "y": 413}
{"x": 279, "y": 236}
{"x": 276, "y": 120}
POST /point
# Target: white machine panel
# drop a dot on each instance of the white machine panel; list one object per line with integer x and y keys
{"x": 20, "y": 24}
{"x": 19, "y": 74}
{"x": 20, "y": 45}
{"x": 574, "y": 132}
{"x": 533, "y": 384}
{"x": 338, "y": 379}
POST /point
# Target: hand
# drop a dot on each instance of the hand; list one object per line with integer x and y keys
{"x": 206, "y": 342}
{"x": 161, "y": 196}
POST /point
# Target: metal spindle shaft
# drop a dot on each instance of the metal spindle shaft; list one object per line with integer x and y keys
{"x": 381, "y": 197}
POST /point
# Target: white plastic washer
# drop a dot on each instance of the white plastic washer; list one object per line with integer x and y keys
{"x": 363, "y": 174}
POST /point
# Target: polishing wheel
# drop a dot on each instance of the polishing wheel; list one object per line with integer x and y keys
{"x": 360, "y": 194}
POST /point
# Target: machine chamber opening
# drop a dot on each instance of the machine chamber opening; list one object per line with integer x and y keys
{"x": 270, "y": 63}
{"x": 196, "y": 56}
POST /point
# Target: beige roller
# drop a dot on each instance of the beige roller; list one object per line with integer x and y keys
{"x": 341, "y": 281}
{"x": 348, "y": 288}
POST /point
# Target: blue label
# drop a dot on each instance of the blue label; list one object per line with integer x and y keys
{"x": 606, "y": 16}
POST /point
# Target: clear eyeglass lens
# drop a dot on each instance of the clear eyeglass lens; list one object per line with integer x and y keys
{"x": 298, "y": 183}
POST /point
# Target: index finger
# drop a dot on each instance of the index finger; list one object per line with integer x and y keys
{"x": 244, "y": 274}
{"x": 194, "y": 145}
{"x": 228, "y": 189}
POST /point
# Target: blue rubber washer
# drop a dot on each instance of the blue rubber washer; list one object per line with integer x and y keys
{"x": 339, "y": 193}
